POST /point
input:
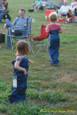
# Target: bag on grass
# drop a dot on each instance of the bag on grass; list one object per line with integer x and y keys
{"x": 2, "y": 38}
{"x": 17, "y": 33}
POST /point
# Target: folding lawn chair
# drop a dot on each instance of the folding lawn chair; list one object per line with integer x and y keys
{"x": 40, "y": 41}
{"x": 48, "y": 13}
{"x": 18, "y": 34}
{"x": 39, "y": 46}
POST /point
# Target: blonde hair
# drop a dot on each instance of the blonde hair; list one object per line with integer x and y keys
{"x": 53, "y": 18}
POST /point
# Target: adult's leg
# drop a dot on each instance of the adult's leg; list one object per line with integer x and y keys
{"x": 1, "y": 15}
{"x": 9, "y": 39}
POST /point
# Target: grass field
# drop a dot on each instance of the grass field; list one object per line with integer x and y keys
{"x": 51, "y": 90}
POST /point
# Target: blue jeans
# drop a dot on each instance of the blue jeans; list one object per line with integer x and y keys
{"x": 9, "y": 40}
{"x": 19, "y": 93}
{"x": 54, "y": 55}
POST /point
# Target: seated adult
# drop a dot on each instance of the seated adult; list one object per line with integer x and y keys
{"x": 69, "y": 17}
{"x": 63, "y": 2}
{"x": 19, "y": 27}
{"x": 64, "y": 10}
{"x": 4, "y": 10}
{"x": 74, "y": 5}
{"x": 74, "y": 9}
{"x": 1, "y": 11}
{"x": 44, "y": 3}
{"x": 0, "y": 3}
{"x": 19, "y": 23}
{"x": 52, "y": 5}
{"x": 37, "y": 5}
{"x": 5, "y": 4}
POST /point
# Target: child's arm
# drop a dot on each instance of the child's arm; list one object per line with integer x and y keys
{"x": 30, "y": 61}
{"x": 18, "y": 67}
{"x": 47, "y": 28}
{"x": 60, "y": 29}
{"x": 15, "y": 21}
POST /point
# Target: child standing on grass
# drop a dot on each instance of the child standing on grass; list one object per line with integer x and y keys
{"x": 54, "y": 39}
{"x": 21, "y": 66}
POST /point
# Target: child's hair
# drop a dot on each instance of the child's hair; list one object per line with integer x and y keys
{"x": 22, "y": 47}
{"x": 53, "y": 18}
{"x": 23, "y": 10}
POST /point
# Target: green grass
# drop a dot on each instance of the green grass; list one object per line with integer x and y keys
{"x": 49, "y": 88}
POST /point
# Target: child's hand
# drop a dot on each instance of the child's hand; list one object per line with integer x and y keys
{"x": 31, "y": 61}
{"x": 25, "y": 72}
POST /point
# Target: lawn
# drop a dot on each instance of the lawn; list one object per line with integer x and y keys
{"x": 51, "y": 90}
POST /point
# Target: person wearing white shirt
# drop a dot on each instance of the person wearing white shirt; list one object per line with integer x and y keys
{"x": 74, "y": 5}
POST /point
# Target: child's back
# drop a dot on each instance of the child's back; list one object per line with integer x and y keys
{"x": 54, "y": 40}
{"x": 21, "y": 66}
{"x": 54, "y": 37}
{"x": 24, "y": 63}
